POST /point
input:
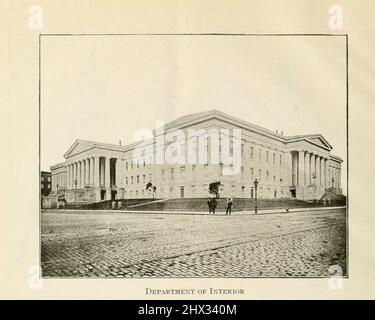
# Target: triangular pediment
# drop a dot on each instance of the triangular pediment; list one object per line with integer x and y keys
{"x": 78, "y": 147}
{"x": 320, "y": 141}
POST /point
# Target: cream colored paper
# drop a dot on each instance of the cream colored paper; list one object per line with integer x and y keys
{"x": 20, "y": 120}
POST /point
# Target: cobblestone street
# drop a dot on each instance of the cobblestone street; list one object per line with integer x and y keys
{"x": 298, "y": 244}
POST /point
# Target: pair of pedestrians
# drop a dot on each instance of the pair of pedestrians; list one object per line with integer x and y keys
{"x": 212, "y": 203}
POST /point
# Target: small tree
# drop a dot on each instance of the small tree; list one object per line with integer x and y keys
{"x": 150, "y": 186}
{"x": 214, "y": 188}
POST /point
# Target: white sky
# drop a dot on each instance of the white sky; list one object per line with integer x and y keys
{"x": 103, "y": 88}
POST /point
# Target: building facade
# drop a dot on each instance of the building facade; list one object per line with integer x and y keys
{"x": 300, "y": 167}
{"x": 45, "y": 183}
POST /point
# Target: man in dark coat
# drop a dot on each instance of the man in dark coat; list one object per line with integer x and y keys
{"x": 209, "y": 203}
{"x": 229, "y": 206}
{"x": 213, "y": 205}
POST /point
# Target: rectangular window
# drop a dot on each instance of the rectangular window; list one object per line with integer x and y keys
{"x": 193, "y": 188}
{"x": 193, "y": 168}
{"x": 267, "y": 155}
{"x": 205, "y": 169}
{"x": 163, "y": 174}
{"x": 274, "y": 158}
{"x": 260, "y": 154}
{"x": 144, "y": 178}
{"x": 251, "y": 173}
{"x": 150, "y": 177}
{"x": 182, "y": 171}
{"x": 260, "y": 175}
{"x": 281, "y": 161}
{"x": 137, "y": 178}
{"x": 242, "y": 171}
{"x": 242, "y": 149}
{"x": 251, "y": 153}
{"x": 131, "y": 180}
{"x": 172, "y": 173}
{"x": 126, "y": 165}
{"x": 126, "y": 180}
{"x": 48, "y": 179}
{"x": 267, "y": 175}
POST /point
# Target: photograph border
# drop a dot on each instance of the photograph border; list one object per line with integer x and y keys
{"x": 41, "y": 35}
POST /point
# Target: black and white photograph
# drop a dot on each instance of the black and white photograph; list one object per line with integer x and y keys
{"x": 193, "y": 155}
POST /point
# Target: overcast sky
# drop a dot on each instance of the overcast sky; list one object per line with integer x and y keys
{"x": 103, "y": 88}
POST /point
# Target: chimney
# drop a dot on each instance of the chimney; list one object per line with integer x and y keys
{"x": 119, "y": 143}
{"x": 277, "y": 132}
{"x": 282, "y": 133}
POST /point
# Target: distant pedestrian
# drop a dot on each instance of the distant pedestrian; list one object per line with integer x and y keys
{"x": 213, "y": 205}
{"x": 229, "y": 206}
{"x": 209, "y": 203}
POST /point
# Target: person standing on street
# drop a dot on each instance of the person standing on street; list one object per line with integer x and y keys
{"x": 209, "y": 203}
{"x": 213, "y": 205}
{"x": 229, "y": 206}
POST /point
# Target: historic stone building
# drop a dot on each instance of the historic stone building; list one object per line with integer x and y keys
{"x": 300, "y": 167}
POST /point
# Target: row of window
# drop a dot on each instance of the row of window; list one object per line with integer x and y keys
{"x": 44, "y": 178}
{"x": 275, "y": 159}
{"x": 138, "y": 179}
{"x": 182, "y": 171}
{"x": 131, "y": 165}
{"x": 171, "y": 190}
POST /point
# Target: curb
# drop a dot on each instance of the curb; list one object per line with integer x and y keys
{"x": 201, "y": 213}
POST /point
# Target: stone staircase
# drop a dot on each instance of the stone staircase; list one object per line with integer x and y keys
{"x": 200, "y": 204}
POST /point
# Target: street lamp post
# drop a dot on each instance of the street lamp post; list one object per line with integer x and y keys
{"x": 57, "y": 194}
{"x": 256, "y": 187}
{"x": 75, "y": 182}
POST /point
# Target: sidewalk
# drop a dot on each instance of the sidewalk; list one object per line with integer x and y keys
{"x": 219, "y": 213}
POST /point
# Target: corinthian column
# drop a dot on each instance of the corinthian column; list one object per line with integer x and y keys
{"x": 96, "y": 182}
{"x": 87, "y": 173}
{"x": 307, "y": 169}
{"x": 317, "y": 159}
{"x": 301, "y": 167}
{"x": 107, "y": 173}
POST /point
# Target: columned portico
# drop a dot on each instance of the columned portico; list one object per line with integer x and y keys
{"x": 309, "y": 174}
